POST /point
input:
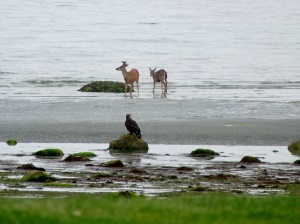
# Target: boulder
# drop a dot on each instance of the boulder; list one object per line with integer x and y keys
{"x": 72, "y": 158}
{"x": 128, "y": 143}
{"x": 30, "y": 166}
{"x": 11, "y": 142}
{"x": 250, "y": 159}
{"x": 105, "y": 86}
{"x": 294, "y": 148}
{"x": 37, "y": 176}
{"x": 112, "y": 163}
{"x": 297, "y": 162}
{"x": 204, "y": 153}
{"x": 49, "y": 153}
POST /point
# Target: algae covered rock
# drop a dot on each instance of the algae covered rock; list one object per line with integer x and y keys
{"x": 105, "y": 86}
{"x": 204, "y": 153}
{"x": 250, "y": 159}
{"x": 112, "y": 163}
{"x": 128, "y": 143}
{"x": 49, "y": 153}
{"x": 73, "y": 158}
{"x": 37, "y": 176}
{"x": 297, "y": 162}
{"x": 30, "y": 166}
{"x": 85, "y": 154}
{"x": 294, "y": 148}
{"x": 11, "y": 142}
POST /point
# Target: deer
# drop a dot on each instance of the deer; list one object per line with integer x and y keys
{"x": 129, "y": 77}
{"x": 160, "y": 76}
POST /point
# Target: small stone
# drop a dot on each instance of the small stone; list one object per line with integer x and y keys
{"x": 112, "y": 163}
{"x": 250, "y": 159}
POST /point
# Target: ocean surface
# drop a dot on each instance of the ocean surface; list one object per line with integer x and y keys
{"x": 225, "y": 59}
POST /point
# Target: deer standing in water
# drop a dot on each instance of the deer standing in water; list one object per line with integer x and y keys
{"x": 160, "y": 76}
{"x": 129, "y": 77}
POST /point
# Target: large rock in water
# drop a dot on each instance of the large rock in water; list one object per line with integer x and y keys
{"x": 105, "y": 86}
{"x": 128, "y": 143}
{"x": 294, "y": 148}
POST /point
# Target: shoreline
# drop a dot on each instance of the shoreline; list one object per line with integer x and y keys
{"x": 219, "y": 131}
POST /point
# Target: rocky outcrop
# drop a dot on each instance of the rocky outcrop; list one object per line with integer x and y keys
{"x": 294, "y": 148}
{"x": 37, "y": 176}
{"x": 128, "y": 143}
{"x": 105, "y": 86}
{"x": 250, "y": 159}
{"x": 49, "y": 153}
{"x": 204, "y": 153}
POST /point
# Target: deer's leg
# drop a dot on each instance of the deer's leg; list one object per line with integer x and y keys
{"x": 137, "y": 86}
{"x": 153, "y": 87}
{"x": 131, "y": 87}
{"x": 125, "y": 89}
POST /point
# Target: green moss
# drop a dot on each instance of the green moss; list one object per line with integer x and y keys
{"x": 85, "y": 154}
{"x": 11, "y": 142}
{"x": 49, "y": 153}
{"x": 128, "y": 143}
{"x": 105, "y": 86}
{"x": 204, "y": 153}
{"x": 112, "y": 163}
{"x": 37, "y": 176}
{"x": 294, "y": 148}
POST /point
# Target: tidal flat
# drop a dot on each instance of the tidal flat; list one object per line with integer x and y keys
{"x": 166, "y": 170}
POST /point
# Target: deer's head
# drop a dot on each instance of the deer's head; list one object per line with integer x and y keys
{"x": 152, "y": 71}
{"x": 124, "y": 65}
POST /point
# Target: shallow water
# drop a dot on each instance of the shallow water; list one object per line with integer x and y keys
{"x": 223, "y": 58}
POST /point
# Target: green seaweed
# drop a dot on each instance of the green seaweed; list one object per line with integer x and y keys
{"x": 294, "y": 148}
{"x": 128, "y": 143}
{"x": 53, "y": 152}
{"x": 11, "y": 142}
{"x": 37, "y": 176}
{"x": 203, "y": 153}
{"x": 105, "y": 86}
{"x": 85, "y": 154}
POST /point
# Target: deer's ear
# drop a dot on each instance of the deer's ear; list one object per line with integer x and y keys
{"x": 150, "y": 69}
{"x": 154, "y": 69}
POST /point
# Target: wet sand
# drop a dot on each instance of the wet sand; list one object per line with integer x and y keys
{"x": 204, "y": 131}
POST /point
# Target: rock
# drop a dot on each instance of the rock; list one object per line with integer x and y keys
{"x": 72, "y": 158}
{"x": 112, "y": 163}
{"x": 11, "y": 142}
{"x": 128, "y": 143}
{"x": 250, "y": 159}
{"x": 294, "y": 148}
{"x": 49, "y": 153}
{"x": 30, "y": 166}
{"x": 105, "y": 86}
{"x": 37, "y": 176}
{"x": 102, "y": 175}
{"x": 185, "y": 168}
{"x": 85, "y": 154}
{"x": 297, "y": 162}
{"x": 204, "y": 153}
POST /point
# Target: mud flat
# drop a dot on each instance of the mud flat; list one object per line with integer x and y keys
{"x": 165, "y": 170}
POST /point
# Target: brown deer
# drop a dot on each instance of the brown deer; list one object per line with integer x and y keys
{"x": 129, "y": 77}
{"x": 160, "y": 76}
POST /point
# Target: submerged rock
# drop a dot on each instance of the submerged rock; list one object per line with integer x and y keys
{"x": 250, "y": 159}
{"x": 105, "y": 86}
{"x": 37, "y": 176}
{"x": 72, "y": 158}
{"x": 204, "y": 153}
{"x": 11, "y": 142}
{"x": 49, "y": 153}
{"x": 112, "y": 163}
{"x": 128, "y": 143}
{"x": 30, "y": 166}
{"x": 294, "y": 148}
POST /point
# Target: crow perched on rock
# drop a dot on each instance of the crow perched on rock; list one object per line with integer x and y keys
{"x": 132, "y": 126}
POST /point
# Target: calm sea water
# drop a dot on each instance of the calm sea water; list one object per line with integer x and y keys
{"x": 223, "y": 57}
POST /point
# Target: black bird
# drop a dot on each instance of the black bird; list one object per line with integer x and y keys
{"x": 132, "y": 126}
